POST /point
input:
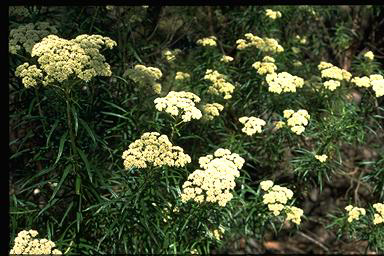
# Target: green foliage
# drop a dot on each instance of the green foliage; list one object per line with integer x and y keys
{"x": 67, "y": 178}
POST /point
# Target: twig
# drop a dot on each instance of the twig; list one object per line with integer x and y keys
{"x": 313, "y": 240}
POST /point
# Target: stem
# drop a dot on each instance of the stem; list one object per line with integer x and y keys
{"x": 43, "y": 121}
{"x": 69, "y": 122}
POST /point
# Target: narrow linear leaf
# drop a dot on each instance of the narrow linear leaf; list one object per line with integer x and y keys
{"x": 51, "y": 132}
{"x": 76, "y": 121}
{"x": 114, "y": 114}
{"x": 61, "y": 147}
{"x": 62, "y": 179}
{"x": 85, "y": 160}
{"x": 88, "y": 130}
{"x": 115, "y": 106}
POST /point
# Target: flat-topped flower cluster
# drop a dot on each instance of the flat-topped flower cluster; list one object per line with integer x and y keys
{"x": 220, "y": 84}
{"x": 252, "y": 124}
{"x": 215, "y": 180}
{"x": 26, "y": 36}
{"x": 264, "y": 44}
{"x": 283, "y": 82}
{"x": 154, "y": 149}
{"x": 25, "y": 243}
{"x": 179, "y": 104}
{"x": 60, "y": 59}
{"x": 276, "y": 197}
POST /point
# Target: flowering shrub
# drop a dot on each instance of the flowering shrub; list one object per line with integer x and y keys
{"x": 272, "y": 128}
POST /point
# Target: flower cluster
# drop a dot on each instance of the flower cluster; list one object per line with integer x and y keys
{"x": 179, "y": 103}
{"x": 267, "y": 65}
{"x": 264, "y": 44}
{"x": 154, "y": 149}
{"x": 26, "y": 36}
{"x": 169, "y": 55}
{"x": 220, "y": 85}
{"x": 369, "y": 55}
{"x": 25, "y": 244}
{"x": 30, "y": 74}
{"x": 379, "y": 216}
{"x": 272, "y": 14}
{"x": 302, "y": 40}
{"x": 217, "y": 233}
{"x": 211, "y": 110}
{"x": 297, "y": 120}
{"x": 335, "y": 74}
{"x": 61, "y": 59}
{"x": 207, "y": 41}
{"x": 376, "y": 81}
{"x": 321, "y": 158}
{"x": 182, "y": 76}
{"x": 226, "y": 59}
{"x": 145, "y": 76}
{"x": 276, "y": 197}
{"x": 251, "y": 124}
{"x": 283, "y": 82}
{"x": 217, "y": 177}
{"x": 354, "y": 212}
{"x": 18, "y": 11}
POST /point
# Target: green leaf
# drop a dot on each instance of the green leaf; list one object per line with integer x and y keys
{"x": 115, "y": 106}
{"x": 51, "y": 131}
{"x": 65, "y": 174}
{"x": 85, "y": 160}
{"x": 66, "y": 213}
{"x": 114, "y": 114}
{"x": 89, "y": 131}
{"x": 78, "y": 185}
{"x": 61, "y": 147}
{"x": 74, "y": 113}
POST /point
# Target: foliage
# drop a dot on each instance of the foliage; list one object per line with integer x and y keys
{"x": 67, "y": 138}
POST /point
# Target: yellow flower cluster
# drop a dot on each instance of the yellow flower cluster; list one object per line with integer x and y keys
{"x": 251, "y": 124}
{"x": 217, "y": 233}
{"x": 277, "y": 197}
{"x": 321, "y": 158}
{"x": 145, "y": 76}
{"x": 30, "y": 75}
{"x": 211, "y": 110}
{"x": 283, "y": 82}
{"x": 294, "y": 214}
{"x": 61, "y": 59}
{"x": 375, "y": 80}
{"x": 272, "y": 14}
{"x": 226, "y": 59}
{"x": 354, "y": 212}
{"x": 169, "y": 55}
{"x": 154, "y": 149}
{"x": 220, "y": 85}
{"x": 267, "y": 65}
{"x": 25, "y": 244}
{"x": 207, "y": 41}
{"x": 297, "y": 120}
{"x": 179, "y": 103}
{"x": 378, "y": 85}
{"x": 151, "y": 72}
{"x": 264, "y": 44}
{"x": 335, "y": 74}
{"x": 214, "y": 182}
{"x": 26, "y": 36}
{"x": 297, "y": 63}
{"x": 302, "y": 40}
{"x": 379, "y": 216}
{"x": 279, "y": 124}
{"x": 369, "y": 55}
{"x": 182, "y": 76}
{"x": 18, "y": 11}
